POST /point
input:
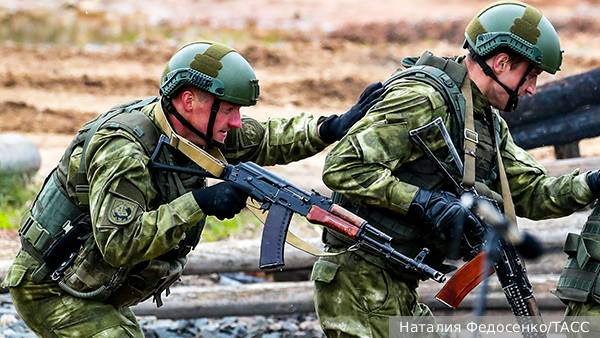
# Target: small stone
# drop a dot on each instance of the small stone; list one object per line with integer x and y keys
{"x": 7, "y": 319}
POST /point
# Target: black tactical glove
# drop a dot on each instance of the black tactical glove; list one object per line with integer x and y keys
{"x": 335, "y": 127}
{"x": 593, "y": 180}
{"x": 222, "y": 200}
{"x": 448, "y": 220}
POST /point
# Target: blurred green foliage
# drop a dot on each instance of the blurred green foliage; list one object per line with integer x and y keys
{"x": 243, "y": 226}
{"x": 76, "y": 26}
{"x": 16, "y": 194}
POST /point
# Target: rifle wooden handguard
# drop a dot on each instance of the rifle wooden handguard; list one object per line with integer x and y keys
{"x": 337, "y": 219}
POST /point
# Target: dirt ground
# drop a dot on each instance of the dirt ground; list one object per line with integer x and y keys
{"x": 327, "y": 53}
{"x": 331, "y": 50}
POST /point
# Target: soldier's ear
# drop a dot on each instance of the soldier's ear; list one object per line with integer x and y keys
{"x": 500, "y": 63}
{"x": 188, "y": 100}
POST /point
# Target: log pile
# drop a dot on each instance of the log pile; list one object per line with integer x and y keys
{"x": 562, "y": 112}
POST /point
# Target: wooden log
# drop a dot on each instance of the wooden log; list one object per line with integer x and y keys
{"x": 211, "y": 257}
{"x": 559, "y": 97}
{"x": 243, "y": 255}
{"x": 241, "y": 300}
{"x": 572, "y": 126}
{"x": 297, "y": 297}
{"x": 236, "y": 256}
{"x": 567, "y": 166}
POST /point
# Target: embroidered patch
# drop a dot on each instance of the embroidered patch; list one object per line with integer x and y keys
{"x": 122, "y": 211}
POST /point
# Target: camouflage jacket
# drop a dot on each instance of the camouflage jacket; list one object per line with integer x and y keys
{"x": 362, "y": 165}
{"x": 150, "y": 229}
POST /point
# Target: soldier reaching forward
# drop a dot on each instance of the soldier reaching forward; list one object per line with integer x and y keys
{"x": 377, "y": 172}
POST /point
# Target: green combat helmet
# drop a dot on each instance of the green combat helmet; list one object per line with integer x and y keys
{"x": 517, "y": 26}
{"x": 214, "y": 67}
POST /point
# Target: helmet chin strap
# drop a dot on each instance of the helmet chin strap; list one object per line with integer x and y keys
{"x": 208, "y": 138}
{"x": 513, "y": 95}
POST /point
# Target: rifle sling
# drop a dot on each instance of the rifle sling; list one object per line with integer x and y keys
{"x": 509, "y": 207}
{"x": 210, "y": 159}
{"x": 471, "y": 140}
{"x": 471, "y": 136}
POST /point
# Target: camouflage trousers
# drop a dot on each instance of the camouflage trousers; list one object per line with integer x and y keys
{"x": 355, "y": 297}
{"x": 50, "y": 312}
{"x": 576, "y": 310}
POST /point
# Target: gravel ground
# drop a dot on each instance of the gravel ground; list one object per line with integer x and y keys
{"x": 281, "y": 326}
{"x": 300, "y": 325}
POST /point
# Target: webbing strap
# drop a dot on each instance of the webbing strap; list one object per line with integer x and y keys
{"x": 582, "y": 249}
{"x": 291, "y": 238}
{"x": 43, "y": 269}
{"x": 509, "y": 206}
{"x": 211, "y": 159}
{"x": 471, "y": 136}
{"x": 82, "y": 187}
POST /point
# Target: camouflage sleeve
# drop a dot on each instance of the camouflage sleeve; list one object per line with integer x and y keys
{"x": 536, "y": 195}
{"x": 126, "y": 228}
{"x": 275, "y": 141}
{"x": 360, "y": 166}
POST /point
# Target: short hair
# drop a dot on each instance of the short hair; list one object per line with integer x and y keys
{"x": 202, "y": 95}
{"x": 514, "y": 57}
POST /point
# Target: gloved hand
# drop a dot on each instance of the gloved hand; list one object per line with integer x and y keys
{"x": 222, "y": 200}
{"x": 447, "y": 217}
{"x": 335, "y": 127}
{"x": 593, "y": 180}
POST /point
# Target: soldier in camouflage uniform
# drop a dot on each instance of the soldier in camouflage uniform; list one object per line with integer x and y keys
{"x": 107, "y": 231}
{"x": 378, "y": 172}
{"x": 578, "y": 286}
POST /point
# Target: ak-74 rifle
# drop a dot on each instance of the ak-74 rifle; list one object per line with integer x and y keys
{"x": 492, "y": 246}
{"x": 282, "y": 199}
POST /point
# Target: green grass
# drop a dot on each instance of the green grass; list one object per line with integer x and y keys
{"x": 243, "y": 226}
{"x": 16, "y": 194}
{"x": 74, "y": 26}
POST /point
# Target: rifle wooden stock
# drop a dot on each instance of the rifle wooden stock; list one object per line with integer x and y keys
{"x": 464, "y": 281}
{"x": 335, "y": 220}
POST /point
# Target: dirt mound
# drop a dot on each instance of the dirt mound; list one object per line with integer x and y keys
{"x": 309, "y": 55}
{"x": 21, "y": 117}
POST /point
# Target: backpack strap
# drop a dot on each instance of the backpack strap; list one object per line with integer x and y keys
{"x": 444, "y": 74}
{"x": 82, "y": 187}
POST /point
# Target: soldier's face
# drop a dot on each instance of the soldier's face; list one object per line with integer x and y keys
{"x": 511, "y": 78}
{"x": 228, "y": 117}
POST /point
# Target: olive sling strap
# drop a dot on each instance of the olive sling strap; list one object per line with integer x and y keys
{"x": 471, "y": 140}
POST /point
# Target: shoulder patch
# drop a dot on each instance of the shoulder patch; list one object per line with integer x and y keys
{"x": 122, "y": 211}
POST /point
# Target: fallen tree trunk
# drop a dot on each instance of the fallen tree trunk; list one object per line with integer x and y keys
{"x": 560, "y": 97}
{"x": 297, "y": 297}
{"x": 243, "y": 255}
{"x": 572, "y": 126}
{"x": 566, "y": 166}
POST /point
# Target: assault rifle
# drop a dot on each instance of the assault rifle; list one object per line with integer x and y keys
{"x": 492, "y": 251}
{"x": 282, "y": 199}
